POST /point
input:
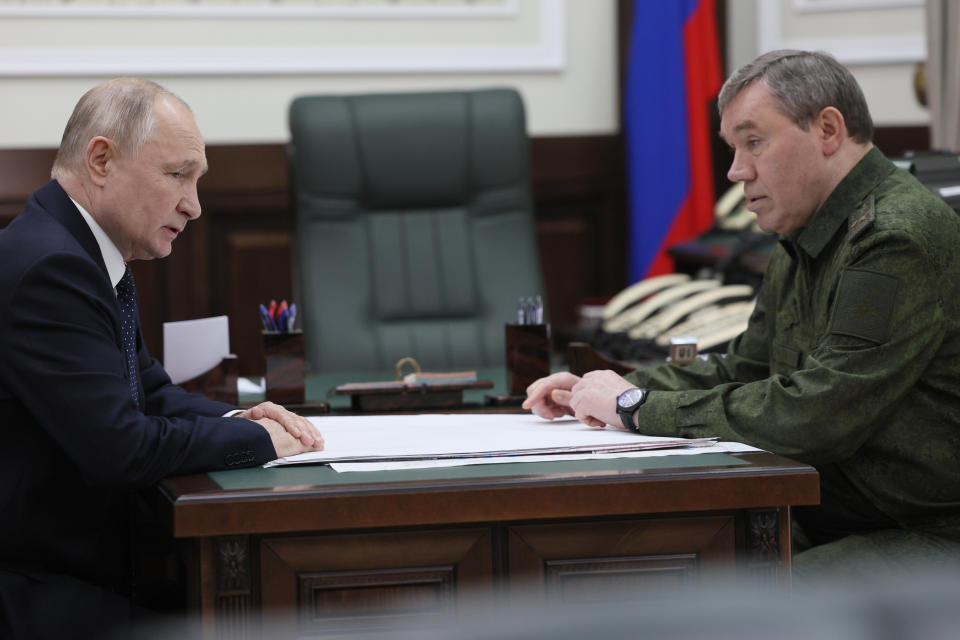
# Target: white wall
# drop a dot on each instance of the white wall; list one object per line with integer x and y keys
{"x": 879, "y": 40}
{"x": 573, "y": 97}
{"x": 207, "y": 62}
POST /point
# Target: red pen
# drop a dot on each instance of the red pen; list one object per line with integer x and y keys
{"x": 272, "y": 308}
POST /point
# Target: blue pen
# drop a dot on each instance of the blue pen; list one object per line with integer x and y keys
{"x": 266, "y": 320}
{"x": 282, "y": 321}
{"x": 291, "y": 316}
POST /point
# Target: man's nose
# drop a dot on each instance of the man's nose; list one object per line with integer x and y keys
{"x": 740, "y": 170}
{"x": 190, "y": 204}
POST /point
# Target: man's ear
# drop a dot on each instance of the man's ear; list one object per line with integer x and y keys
{"x": 100, "y": 155}
{"x": 831, "y": 128}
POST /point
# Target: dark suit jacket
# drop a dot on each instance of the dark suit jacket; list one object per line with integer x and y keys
{"x": 73, "y": 445}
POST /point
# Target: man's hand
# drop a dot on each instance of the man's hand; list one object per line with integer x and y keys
{"x": 297, "y": 426}
{"x": 549, "y": 397}
{"x": 284, "y": 442}
{"x": 594, "y": 398}
{"x": 591, "y": 399}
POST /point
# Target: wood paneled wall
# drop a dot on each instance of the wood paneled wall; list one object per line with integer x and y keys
{"x": 238, "y": 253}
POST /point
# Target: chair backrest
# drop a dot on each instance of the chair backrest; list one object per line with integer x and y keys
{"x": 414, "y": 226}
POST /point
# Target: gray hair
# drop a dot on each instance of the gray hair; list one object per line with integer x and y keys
{"x": 804, "y": 83}
{"x": 120, "y": 109}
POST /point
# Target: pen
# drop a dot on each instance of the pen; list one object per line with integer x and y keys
{"x": 291, "y": 316}
{"x": 272, "y": 309}
{"x": 265, "y": 319}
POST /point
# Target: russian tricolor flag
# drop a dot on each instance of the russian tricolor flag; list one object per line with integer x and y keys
{"x": 673, "y": 75}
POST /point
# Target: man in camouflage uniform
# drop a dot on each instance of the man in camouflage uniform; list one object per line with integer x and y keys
{"x": 851, "y": 360}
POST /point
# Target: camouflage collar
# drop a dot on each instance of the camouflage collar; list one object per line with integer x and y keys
{"x": 873, "y": 168}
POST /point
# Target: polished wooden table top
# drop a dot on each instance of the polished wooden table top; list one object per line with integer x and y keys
{"x": 314, "y": 497}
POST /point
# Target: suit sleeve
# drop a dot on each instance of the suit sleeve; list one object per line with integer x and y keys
{"x": 62, "y": 359}
{"x": 163, "y": 398}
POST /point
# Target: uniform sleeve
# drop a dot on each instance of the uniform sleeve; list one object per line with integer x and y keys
{"x": 883, "y": 332}
{"x": 61, "y": 360}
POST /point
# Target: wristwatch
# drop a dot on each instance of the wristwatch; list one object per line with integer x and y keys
{"x": 627, "y": 404}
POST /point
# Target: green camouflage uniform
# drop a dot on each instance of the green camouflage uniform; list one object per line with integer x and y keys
{"x": 850, "y": 362}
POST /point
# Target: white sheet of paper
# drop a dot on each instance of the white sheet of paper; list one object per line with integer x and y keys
{"x": 384, "y": 437}
{"x": 251, "y": 385}
{"x": 720, "y": 447}
{"x": 192, "y": 347}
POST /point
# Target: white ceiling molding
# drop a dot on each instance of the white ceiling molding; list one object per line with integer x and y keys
{"x": 817, "y": 6}
{"x": 266, "y": 9}
{"x": 546, "y": 52}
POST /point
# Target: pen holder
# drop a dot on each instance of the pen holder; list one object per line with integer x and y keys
{"x": 283, "y": 357}
{"x": 528, "y": 355}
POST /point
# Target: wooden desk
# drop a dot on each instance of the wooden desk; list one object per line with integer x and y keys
{"x": 367, "y": 550}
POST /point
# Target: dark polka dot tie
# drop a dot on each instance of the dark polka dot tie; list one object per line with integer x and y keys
{"x": 127, "y": 297}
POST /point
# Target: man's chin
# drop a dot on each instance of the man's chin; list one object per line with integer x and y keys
{"x": 161, "y": 251}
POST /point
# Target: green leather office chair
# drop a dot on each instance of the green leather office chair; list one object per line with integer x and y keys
{"x": 414, "y": 227}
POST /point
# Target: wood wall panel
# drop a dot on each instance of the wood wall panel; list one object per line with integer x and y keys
{"x": 578, "y": 195}
{"x": 237, "y": 254}
{"x": 259, "y": 271}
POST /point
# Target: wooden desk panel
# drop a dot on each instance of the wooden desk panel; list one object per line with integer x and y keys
{"x": 382, "y": 549}
{"x": 605, "y": 561}
{"x": 370, "y": 581}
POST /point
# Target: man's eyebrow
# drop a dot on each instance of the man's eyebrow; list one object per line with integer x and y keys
{"x": 193, "y": 164}
{"x": 743, "y": 126}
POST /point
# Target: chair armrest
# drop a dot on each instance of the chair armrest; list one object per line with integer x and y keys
{"x": 583, "y": 358}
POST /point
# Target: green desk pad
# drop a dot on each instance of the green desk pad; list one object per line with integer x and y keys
{"x": 322, "y": 475}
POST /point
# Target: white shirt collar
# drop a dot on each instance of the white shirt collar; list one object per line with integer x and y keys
{"x": 112, "y": 257}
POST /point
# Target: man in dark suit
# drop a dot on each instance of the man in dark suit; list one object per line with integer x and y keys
{"x": 87, "y": 415}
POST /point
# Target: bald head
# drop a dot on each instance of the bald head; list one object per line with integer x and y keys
{"x": 121, "y": 110}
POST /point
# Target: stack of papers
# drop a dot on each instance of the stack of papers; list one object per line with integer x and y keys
{"x": 383, "y": 442}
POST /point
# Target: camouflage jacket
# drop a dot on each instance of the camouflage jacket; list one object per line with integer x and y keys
{"x": 852, "y": 354}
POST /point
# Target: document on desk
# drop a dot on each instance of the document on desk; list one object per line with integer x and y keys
{"x": 374, "y": 443}
{"x": 193, "y": 347}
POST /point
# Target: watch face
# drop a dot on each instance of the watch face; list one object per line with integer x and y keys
{"x": 629, "y": 397}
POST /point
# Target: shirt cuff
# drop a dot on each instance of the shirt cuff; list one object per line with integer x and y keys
{"x": 231, "y": 413}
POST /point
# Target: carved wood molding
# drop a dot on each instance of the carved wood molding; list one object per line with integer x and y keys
{"x": 763, "y": 539}
{"x": 764, "y": 562}
{"x": 233, "y": 599}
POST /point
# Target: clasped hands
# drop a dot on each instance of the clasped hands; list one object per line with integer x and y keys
{"x": 291, "y": 434}
{"x": 591, "y": 399}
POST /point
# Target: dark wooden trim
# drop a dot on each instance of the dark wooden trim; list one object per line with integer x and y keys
{"x": 895, "y": 141}
{"x": 238, "y": 253}
{"x": 22, "y": 171}
{"x": 435, "y": 501}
